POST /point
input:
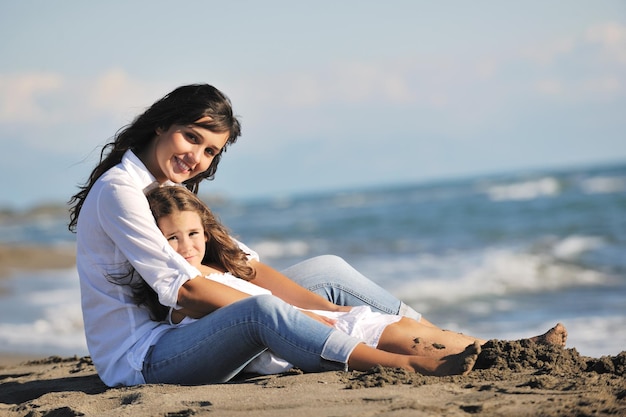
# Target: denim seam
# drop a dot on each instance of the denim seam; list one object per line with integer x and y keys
{"x": 371, "y": 302}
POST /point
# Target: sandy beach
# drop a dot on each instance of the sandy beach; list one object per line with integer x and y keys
{"x": 34, "y": 258}
{"x": 510, "y": 379}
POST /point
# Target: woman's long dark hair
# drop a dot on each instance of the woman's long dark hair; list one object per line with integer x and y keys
{"x": 184, "y": 106}
{"x": 221, "y": 250}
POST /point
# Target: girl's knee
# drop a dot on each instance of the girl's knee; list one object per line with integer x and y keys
{"x": 332, "y": 259}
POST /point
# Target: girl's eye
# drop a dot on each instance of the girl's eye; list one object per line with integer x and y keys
{"x": 210, "y": 151}
{"x": 172, "y": 238}
{"x": 192, "y": 138}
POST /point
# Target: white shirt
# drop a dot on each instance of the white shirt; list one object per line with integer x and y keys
{"x": 116, "y": 229}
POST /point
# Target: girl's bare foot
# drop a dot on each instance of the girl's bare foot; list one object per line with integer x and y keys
{"x": 457, "y": 364}
{"x": 556, "y": 336}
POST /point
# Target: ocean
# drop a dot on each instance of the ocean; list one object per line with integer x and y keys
{"x": 502, "y": 256}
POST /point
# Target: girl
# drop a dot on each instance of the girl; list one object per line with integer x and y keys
{"x": 194, "y": 232}
{"x": 180, "y": 139}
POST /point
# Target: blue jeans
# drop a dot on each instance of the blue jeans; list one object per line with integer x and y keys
{"x": 218, "y": 346}
{"x": 336, "y": 280}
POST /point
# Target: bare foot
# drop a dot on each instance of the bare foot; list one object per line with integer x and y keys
{"x": 456, "y": 364}
{"x": 556, "y": 336}
{"x": 471, "y": 356}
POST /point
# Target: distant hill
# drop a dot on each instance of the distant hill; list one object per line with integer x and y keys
{"x": 56, "y": 210}
{"x": 51, "y": 210}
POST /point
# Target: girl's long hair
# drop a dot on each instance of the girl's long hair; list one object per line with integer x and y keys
{"x": 221, "y": 249}
{"x": 183, "y": 106}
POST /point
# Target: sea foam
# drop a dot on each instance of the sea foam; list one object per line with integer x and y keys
{"x": 42, "y": 315}
{"x": 492, "y": 271}
{"x": 525, "y": 190}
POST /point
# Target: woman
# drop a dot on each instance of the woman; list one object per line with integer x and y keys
{"x": 180, "y": 140}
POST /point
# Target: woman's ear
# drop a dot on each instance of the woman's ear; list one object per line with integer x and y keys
{"x": 158, "y": 130}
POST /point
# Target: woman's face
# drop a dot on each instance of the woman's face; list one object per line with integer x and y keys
{"x": 182, "y": 152}
{"x": 185, "y": 233}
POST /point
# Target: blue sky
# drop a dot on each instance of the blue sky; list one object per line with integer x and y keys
{"x": 331, "y": 94}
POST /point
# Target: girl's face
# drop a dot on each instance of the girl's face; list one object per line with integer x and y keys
{"x": 182, "y": 152}
{"x": 185, "y": 233}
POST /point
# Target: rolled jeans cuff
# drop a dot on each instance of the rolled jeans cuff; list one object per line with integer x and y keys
{"x": 337, "y": 351}
{"x": 407, "y": 311}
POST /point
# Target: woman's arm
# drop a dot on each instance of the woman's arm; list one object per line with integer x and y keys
{"x": 121, "y": 211}
{"x": 286, "y": 289}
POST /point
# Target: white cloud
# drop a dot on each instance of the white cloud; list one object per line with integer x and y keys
{"x": 462, "y": 94}
{"x": 116, "y": 92}
{"x": 467, "y": 91}
{"x": 604, "y": 87}
{"x": 396, "y": 88}
{"x": 610, "y": 34}
{"x": 49, "y": 98}
{"x": 23, "y": 97}
{"x": 77, "y": 114}
{"x": 346, "y": 82}
{"x": 593, "y": 88}
{"x": 300, "y": 90}
{"x": 486, "y": 68}
{"x": 564, "y": 67}
{"x": 549, "y": 87}
{"x": 612, "y": 38}
{"x": 592, "y": 68}
{"x": 607, "y": 40}
{"x": 358, "y": 82}
{"x": 546, "y": 53}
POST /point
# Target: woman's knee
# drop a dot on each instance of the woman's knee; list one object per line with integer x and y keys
{"x": 267, "y": 305}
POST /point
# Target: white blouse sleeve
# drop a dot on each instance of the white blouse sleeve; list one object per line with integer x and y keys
{"x": 251, "y": 254}
{"x": 125, "y": 216}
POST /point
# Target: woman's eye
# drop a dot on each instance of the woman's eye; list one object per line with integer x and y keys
{"x": 209, "y": 151}
{"x": 192, "y": 138}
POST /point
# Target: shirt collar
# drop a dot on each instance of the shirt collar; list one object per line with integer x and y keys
{"x": 140, "y": 174}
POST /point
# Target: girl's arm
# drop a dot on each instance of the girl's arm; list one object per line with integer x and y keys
{"x": 199, "y": 296}
{"x": 286, "y": 289}
{"x": 177, "y": 315}
{"x": 198, "y": 299}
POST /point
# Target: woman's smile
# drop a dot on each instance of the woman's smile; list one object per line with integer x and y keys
{"x": 182, "y": 166}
